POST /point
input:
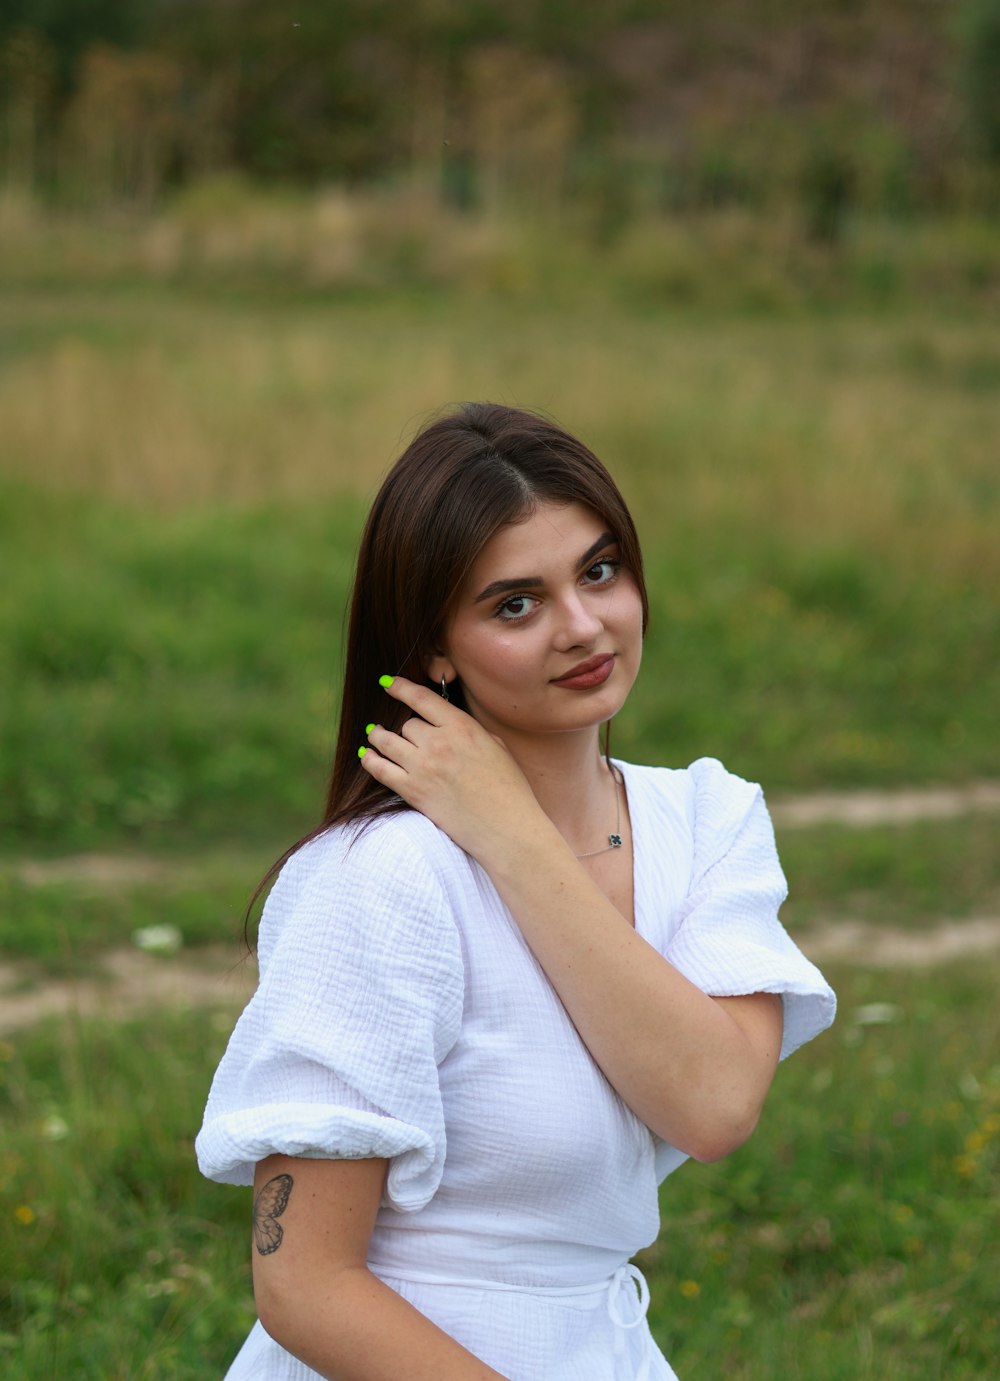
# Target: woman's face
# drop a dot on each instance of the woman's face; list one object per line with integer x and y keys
{"x": 546, "y": 636}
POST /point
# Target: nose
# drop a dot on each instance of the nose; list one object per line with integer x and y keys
{"x": 578, "y": 623}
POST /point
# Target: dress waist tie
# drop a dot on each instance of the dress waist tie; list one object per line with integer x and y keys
{"x": 627, "y": 1307}
{"x": 638, "y": 1306}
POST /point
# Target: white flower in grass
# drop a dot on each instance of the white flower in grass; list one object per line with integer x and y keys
{"x": 970, "y": 1085}
{"x": 158, "y": 939}
{"x": 876, "y": 1014}
{"x": 54, "y": 1128}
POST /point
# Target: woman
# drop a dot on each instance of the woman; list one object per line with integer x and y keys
{"x": 510, "y": 983}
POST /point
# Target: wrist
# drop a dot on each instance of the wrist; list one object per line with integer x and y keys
{"x": 536, "y": 847}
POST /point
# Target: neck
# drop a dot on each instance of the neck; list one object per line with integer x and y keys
{"x": 571, "y": 782}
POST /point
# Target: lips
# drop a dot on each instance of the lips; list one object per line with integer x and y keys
{"x": 593, "y": 672}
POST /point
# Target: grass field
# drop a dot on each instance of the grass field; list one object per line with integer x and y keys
{"x": 182, "y": 477}
{"x": 818, "y": 499}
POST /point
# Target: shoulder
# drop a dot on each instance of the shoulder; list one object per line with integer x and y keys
{"x": 709, "y": 803}
{"x": 385, "y": 878}
{"x": 721, "y": 799}
{"x": 403, "y": 851}
{"x": 701, "y": 791}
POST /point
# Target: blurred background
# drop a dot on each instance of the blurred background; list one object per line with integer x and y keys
{"x": 751, "y": 254}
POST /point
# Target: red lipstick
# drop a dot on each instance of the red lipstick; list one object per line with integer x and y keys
{"x": 593, "y": 672}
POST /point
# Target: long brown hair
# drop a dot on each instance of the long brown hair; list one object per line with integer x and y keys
{"x": 462, "y": 479}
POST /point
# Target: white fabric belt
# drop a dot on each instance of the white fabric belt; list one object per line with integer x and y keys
{"x": 639, "y": 1307}
{"x": 627, "y": 1307}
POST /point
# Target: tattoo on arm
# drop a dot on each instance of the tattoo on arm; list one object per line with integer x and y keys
{"x": 268, "y": 1206}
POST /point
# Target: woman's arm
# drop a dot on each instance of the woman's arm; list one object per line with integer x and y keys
{"x": 695, "y": 1069}
{"x": 315, "y": 1296}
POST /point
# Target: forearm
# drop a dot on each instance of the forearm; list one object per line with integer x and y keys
{"x": 353, "y": 1327}
{"x": 676, "y": 1057}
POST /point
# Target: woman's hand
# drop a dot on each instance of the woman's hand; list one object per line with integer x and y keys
{"x": 447, "y": 766}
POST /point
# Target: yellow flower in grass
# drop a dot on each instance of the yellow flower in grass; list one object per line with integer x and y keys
{"x": 690, "y": 1289}
{"x": 974, "y": 1142}
{"x": 964, "y": 1166}
{"x": 24, "y": 1214}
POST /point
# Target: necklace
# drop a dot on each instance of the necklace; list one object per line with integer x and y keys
{"x": 614, "y": 840}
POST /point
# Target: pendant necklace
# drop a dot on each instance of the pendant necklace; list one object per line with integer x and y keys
{"x": 614, "y": 840}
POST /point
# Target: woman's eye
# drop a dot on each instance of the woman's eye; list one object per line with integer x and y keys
{"x": 515, "y": 607}
{"x": 603, "y": 571}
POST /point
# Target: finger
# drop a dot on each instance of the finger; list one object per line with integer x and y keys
{"x": 391, "y": 746}
{"x": 426, "y": 703}
{"x": 384, "y": 770}
{"x": 418, "y": 732}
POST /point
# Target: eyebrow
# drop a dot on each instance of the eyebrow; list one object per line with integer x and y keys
{"x": 527, "y": 582}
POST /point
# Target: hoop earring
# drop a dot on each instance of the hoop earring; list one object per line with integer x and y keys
{"x": 444, "y": 689}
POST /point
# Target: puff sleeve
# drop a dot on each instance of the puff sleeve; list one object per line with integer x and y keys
{"x": 360, "y": 999}
{"x": 727, "y": 938}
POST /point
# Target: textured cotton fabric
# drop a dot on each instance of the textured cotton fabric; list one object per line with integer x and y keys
{"x": 400, "y": 1014}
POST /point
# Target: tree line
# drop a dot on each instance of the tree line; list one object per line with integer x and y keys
{"x": 890, "y": 105}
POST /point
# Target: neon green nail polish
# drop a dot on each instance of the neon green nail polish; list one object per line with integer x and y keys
{"x": 386, "y": 681}
{"x": 362, "y": 751}
{"x": 369, "y": 728}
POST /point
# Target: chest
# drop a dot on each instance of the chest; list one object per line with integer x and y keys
{"x": 613, "y": 874}
{"x": 520, "y": 1089}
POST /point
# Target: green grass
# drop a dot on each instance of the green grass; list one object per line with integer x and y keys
{"x": 172, "y": 678}
{"x": 157, "y": 684}
{"x": 909, "y": 876}
{"x": 65, "y": 926}
{"x": 851, "y": 1237}
{"x": 126, "y": 1267}
{"x": 848, "y": 1241}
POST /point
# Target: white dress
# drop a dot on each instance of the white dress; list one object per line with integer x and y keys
{"x": 400, "y": 1014}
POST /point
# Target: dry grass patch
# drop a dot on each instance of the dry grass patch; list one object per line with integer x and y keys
{"x": 866, "y": 434}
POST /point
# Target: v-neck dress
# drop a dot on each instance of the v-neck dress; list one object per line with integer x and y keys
{"x": 401, "y": 1014}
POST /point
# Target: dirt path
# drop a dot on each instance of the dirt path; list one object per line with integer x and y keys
{"x": 132, "y": 982}
{"x": 860, "y": 809}
{"x": 882, "y": 947}
{"x": 899, "y": 807}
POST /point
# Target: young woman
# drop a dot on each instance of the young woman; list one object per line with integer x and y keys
{"x": 510, "y": 983}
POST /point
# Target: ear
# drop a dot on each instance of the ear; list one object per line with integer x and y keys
{"x": 438, "y": 665}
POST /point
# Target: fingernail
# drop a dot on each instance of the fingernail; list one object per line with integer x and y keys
{"x": 369, "y": 728}
{"x": 386, "y": 681}
{"x": 362, "y": 751}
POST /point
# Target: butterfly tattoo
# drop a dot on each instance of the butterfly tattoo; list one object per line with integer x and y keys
{"x": 268, "y": 1206}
